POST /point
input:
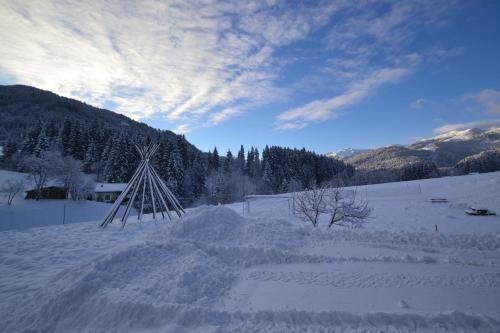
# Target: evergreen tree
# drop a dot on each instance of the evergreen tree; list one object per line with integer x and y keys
{"x": 228, "y": 162}
{"x": 210, "y": 163}
{"x": 117, "y": 166}
{"x": 92, "y": 158}
{"x": 175, "y": 172}
{"x": 240, "y": 159}
{"x": 198, "y": 177}
{"x": 65, "y": 137}
{"x": 182, "y": 146}
{"x": 215, "y": 159}
{"x": 42, "y": 144}
{"x": 10, "y": 148}
{"x": 31, "y": 140}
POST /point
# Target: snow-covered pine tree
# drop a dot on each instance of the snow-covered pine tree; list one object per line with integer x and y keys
{"x": 228, "y": 162}
{"x": 92, "y": 157}
{"x": 117, "y": 165}
{"x": 10, "y": 148}
{"x": 31, "y": 140}
{"x": 209, "y": 162}
{"x": 240, "y": 159}
{"x": 215, "y": 159}
{"x": 198, "y": 176}
{"x": 42, "y": 143}
{"x": 65, "y": 137}
{"x": 175, "y": 172}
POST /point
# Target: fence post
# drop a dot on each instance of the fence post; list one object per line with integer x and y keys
{"x": 64, "y": 213}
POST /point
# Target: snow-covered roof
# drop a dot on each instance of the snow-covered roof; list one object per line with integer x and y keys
{"x": 109, "y": 187}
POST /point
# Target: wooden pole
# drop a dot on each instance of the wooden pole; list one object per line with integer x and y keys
{"x": 139, "y": 216}
{"x": 116, "y": 205}
{"x": 146, "y": 175}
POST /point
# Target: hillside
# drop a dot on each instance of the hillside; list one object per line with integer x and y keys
{"x": 445, "y": 150}
{"x": 37, "y": 123}
{"x": 22, "y": 106}
{"x": 347, "y": 153}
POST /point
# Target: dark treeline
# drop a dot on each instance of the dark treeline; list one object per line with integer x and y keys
{"x": 278, "y": 170}
{"x": 101, "y": 142}
{"x": 196, "y": 177}
{"x": 193, "y": 176}
{"x": 109, "y": 154}
{"x": 486, "y": 161}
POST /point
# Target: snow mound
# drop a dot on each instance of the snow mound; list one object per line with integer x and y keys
{"x": 209, "y": 224}
{"x": 223, "y": 226}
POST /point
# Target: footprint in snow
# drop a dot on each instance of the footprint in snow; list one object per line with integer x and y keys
{"x": 403, "y": 305}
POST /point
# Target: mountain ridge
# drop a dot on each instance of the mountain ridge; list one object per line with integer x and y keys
{"x": 444, "y": 150}
{"x": 22, "y": 104}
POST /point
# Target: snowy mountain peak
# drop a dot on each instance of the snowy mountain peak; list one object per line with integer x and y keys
{"x": 346, "y": 153}
{"x": 457, "y": 135}
{"x": 454, "y": 136}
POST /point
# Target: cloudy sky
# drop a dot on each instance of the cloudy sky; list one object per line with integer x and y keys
{"x": 324, "y": 75}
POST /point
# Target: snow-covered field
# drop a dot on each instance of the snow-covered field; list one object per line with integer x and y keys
{"x": 216, "y": 270}
{"x": 24, "y": 214}
{"x": 31, "y": 213}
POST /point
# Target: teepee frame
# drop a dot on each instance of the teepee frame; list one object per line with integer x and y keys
{"x": 145, "y": 177}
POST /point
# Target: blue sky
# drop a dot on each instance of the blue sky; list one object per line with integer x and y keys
{"x": 323, "y": 75}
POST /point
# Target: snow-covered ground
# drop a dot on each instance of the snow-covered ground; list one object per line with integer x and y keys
{"x": 24, "y": 214}
{"x": 216, "y": 270}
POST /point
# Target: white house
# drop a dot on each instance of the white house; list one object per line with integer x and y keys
{"x": 108, "y": 192}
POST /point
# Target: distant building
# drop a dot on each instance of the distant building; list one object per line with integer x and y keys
{"x": 49, "y": 192}
{"x": 108, "y": 192}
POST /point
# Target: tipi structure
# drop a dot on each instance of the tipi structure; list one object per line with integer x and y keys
{"x": 147, "y": 184}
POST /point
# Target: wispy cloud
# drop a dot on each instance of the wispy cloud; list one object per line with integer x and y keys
{"x": 377, "y": 40}
{"x": 324, "y": 109}
{"x": 489, "y": 99}
{"x": 183, "y": 129}
{"x": 420, "y": 103}
{"x": 182, "y": 59}
{"x": 483, "y": 124}
{"x": 223, "y": 115}
{"x": 188, "y": 60}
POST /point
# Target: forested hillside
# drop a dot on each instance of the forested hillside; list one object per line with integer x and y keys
{"x": 34, "y": 122}
{"x": 445, "y": 154}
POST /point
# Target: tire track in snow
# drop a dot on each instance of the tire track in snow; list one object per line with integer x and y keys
{"x": 376, "y": 280}
{"x": 423, "y": 240}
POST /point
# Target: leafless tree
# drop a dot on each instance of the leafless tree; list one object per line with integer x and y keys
{"x": 310, "y": 204}
{"x": 345, "y": 208}
{"x": 69, "y": 173}
{"x": 42, "y": 168}
{"x": 52, "y": 166}
{"x": 342, "y": 206}
{"x": 11, "y": 188}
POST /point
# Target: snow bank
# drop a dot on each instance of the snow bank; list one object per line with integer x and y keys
{"x": 210, "y": 224}
{"x": 223, "y": 226}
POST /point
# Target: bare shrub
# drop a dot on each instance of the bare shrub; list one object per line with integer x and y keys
{"x": 346, "y": 209}
{"x": 50, "y": 166}
{"x": 11, "y": 188}
{"x": 308, "y": 205}
{"x": 41, "y": 168}
{"x": 69, "y": 173}
{"x": 342, "y": 206}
